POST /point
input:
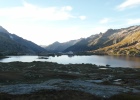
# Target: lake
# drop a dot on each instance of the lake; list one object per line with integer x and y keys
{"x": 113, "y": 61}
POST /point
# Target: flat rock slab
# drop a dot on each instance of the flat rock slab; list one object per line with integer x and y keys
{"x": 60, "y": 84}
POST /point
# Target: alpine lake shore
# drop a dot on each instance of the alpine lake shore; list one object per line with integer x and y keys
{"x": 52, "y": 81}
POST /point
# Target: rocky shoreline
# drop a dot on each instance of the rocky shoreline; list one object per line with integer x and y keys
{"x": 18, "y": 78}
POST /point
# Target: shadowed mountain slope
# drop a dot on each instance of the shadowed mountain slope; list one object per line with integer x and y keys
{"x": 13, "y": 44}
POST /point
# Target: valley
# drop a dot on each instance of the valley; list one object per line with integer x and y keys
{"x": 41, "y": 79}
{"x": 69, "y": 50}
{"x": 124, "y": 41}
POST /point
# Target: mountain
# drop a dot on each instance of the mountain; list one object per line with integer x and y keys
{"x": 101, "y": 40}
{"x": 128, "y": 45}
{"x": 53, "y": 47}
{"x": 3, "y": 30}
{"x": 60, "y": 47}
{"x": 13, "y": 44}
{"x": 93, "y": 42}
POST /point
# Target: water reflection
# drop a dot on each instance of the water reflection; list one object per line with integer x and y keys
{"x": 129, "y": 61}
{"x": 113, "y": 61}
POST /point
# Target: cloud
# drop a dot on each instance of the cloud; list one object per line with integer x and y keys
{"x": 104, "y": 21}
{"x": 128, "y": 4}
{"x": 133, "y": 21}
{"x": 68, "y": 8}
{"x": 33, "y": 12}
{"x": 82, "y": 17}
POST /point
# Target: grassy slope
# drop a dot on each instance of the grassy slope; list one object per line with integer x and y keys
{"x": 130, "y": 45}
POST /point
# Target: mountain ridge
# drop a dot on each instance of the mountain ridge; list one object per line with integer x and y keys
{"x": 60, "y": 47}
{"x": 123, "y": 41}
{"x": 130, "y": 45}
{"x": 13, "y": 44}
{"x": 98, "y": 43}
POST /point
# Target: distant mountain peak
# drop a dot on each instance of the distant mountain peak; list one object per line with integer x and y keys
{"x": 110, "y": 30}
{"x": 56, "y": 42}
{"x": 3, "y": 30}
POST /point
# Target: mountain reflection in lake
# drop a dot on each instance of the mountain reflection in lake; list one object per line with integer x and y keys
{"x": 113, "y": 61}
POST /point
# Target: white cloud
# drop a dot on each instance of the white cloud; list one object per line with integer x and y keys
{"x": 27, "y": 5}
{"x": 82, "y": 17}
{"x": 21, "y": 20}
{"x": 104, "y": 21}
{"x": 29, "y": 11}
{"x": 128, "y": 4}
{"x": 68, "y": 8}
{"x": 133, "y": 21}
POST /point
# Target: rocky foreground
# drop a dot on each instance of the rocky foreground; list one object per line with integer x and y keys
{"x": 52, "y": 81}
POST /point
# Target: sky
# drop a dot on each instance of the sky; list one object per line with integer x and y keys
{"x": 46, "y": 21}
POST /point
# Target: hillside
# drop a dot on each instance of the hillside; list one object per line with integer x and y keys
{"x": 13, "y": 44}
{"x": 129, "y": 45}
{"x": 124, "y": 41}
{"x": 95, "y": 41}
{"x": 110, "y": 37}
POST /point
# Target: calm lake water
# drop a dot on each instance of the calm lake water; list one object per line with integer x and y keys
{"x": 114, "y": 61}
